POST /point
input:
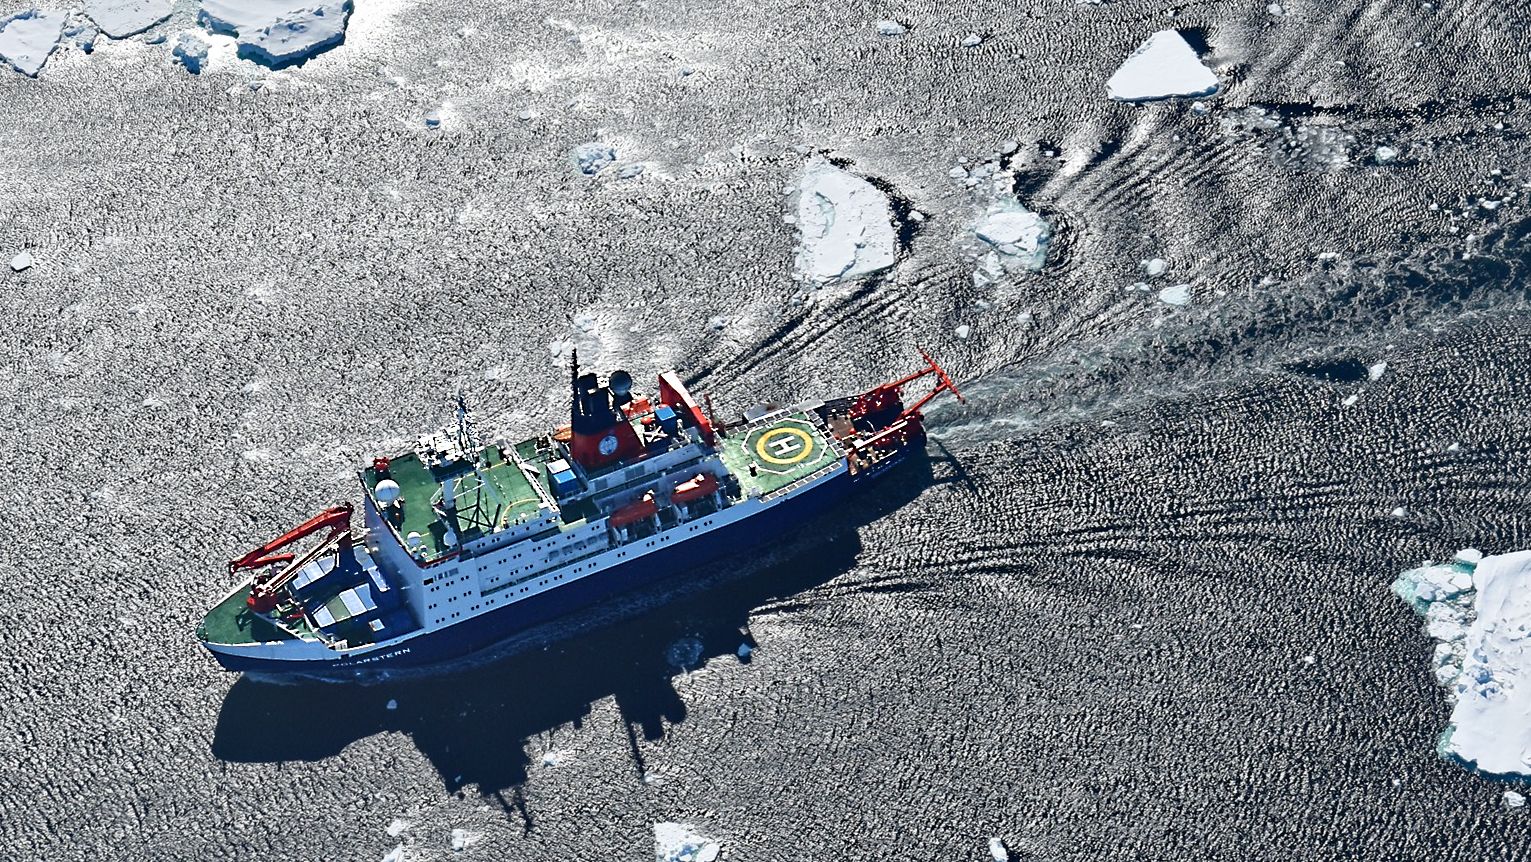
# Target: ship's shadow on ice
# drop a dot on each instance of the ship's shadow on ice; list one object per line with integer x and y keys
{"x": 488, "y": 724}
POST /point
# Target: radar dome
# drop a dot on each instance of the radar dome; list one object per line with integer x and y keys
{"x": 387, "y": 491}
{"x": 620, "y": 382}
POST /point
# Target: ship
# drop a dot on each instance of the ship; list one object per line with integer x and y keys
{"x": 464, "y": 543}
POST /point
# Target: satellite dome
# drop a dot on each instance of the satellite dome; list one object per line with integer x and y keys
{"x": 414, "y": 541}
{"x": 387, "y": 491}
{"x": 620, "y": 383}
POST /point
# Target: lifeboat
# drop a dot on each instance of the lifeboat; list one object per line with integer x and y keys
{"x": 699, "y": 487}
{"x": 640, "y": 510}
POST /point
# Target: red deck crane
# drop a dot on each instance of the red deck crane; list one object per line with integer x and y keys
{"x": 265, "y": 589}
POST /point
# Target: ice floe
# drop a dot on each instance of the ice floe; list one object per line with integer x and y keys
{"x": 678, "y": 842}
{"x": 1385, "y": 154}
{"x": 1514, "y": 800}
{"x": 889, "y": 27}
{"x": 22, "y": 260}
{"x": 1177, "y": 294}
{"x": 397, "y": 827}
{"x": 998, "y": 851}
{"x": 1479, "y": 609}
{"x": 27, "y": 38}
{"x": 593, "y": 157}
{"x": 1165, "y": 66}
{"x": 278, "y": 33}
{"x": 462, "y": 839}
{"x": 845, "y": 226}
{"x": 1376, "y": 370}
{"x": 1017, "y": 236}
{"x": 122, "y": 18}
{"x": 190, "y": 50}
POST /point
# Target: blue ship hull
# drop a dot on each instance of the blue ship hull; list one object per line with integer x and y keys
{"x": 496, "y": 627}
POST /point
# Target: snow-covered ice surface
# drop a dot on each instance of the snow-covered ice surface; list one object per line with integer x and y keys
{"x": 1164, "y": 66}
{"x": 278, "y": 33}
{"x": 22, "y": 260}
{"x": 844, "y": 224}
{"x": 27, "y": 38}
{"x": 593, "y": 157}
{"x": 679, "y": 842}
{"x": 120, "y": 18}
{"x": 1480, "y": 613}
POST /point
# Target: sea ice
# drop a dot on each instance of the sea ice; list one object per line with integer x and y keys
{"x": 395, "y": 855}
{"x": 1513, "y": 799}
{"x": 593, "y": 157}
{"x": 1014, "y": 237}
{"x": 972, "y": 40}
{"x": 21, "y": 261}
{"x": 462, "y": 838}
{"x": 397, "y": 827}
{"x": 1178, "y": 294}
{"x": 678, "y": 842}
{"x": 190, "y": 50}
{"x": 845, "y": 226}
{"x": 1163, "y": 67}
{"x": 888, "y": 27}
{"x": 1375, "y": 371}
{"x": 1481, "y": 613}
{"x": 1385, "y": 154}
{"x": 278, "y": 33}
{"x": 998, "y": 851}
{"x": 121, "y": 18}
{"x": 1155, "y": 267}
{"x": 27, "y": 38}
{"x": 964, "y": 331}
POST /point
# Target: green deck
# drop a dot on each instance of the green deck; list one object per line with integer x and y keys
{"x": 231, "y": 622}
{"x": 783, "y": 450}
{"x": 503, "y": 495}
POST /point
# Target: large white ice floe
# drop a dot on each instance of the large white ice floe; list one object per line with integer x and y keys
{"x": 845, "y": 226}
{"x": 1015, "y": 238}
{"x": 677, "y": 842}
{"x": 27, "y": 38}
{"x": 1479, "y": 609}
{"x": 190, "y": 50}
{"x": 122, "y": 18}
{"x": 278, "y": 33}
{"x": 1165, "y": 66}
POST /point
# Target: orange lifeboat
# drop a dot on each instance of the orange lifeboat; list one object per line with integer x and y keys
{"x": 699, "y": 487}
{"x": 640, "y": 510}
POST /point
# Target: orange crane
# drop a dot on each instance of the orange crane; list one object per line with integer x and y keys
{"x": 265, "y": 588}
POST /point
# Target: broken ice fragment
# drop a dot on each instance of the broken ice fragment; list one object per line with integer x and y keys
{"x": 964, "y": 331}
{"x": 21, "y": 261}
{"x": 1351, "y": 400}
{"x": 678, "y": 842}
{"x": 190, "y": 51}
{"x": 1179, "y": 294}
{"x": 1385, "y": 154}
{"x": 845, "y": 225}
{"x": 278, "y": 33}
{"x": 120, "y": 18}
{"x": 397, "y": 827}
{"x": 593, "y": 157}
{"x": 972, "y": 40}
{"x": 888, "y": 27}
{"x": 392, "y": 705}
{"x": 630, "y": 171}
{"x": 1375, "y": 371}
{"x": 432, "y": 119}
{"x": 395, "y": 855}
{"x": 998, "y": 851}
{"x": 27, "y": 38}
{"x": 1165, "y": 66}
{"x": 462, "y": 838}
{"x": 1492, "y": 690}
{"x": 1017, "y": 237}
{"x": 1513, "y": 799}
{"x": 1155, "y": 267}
